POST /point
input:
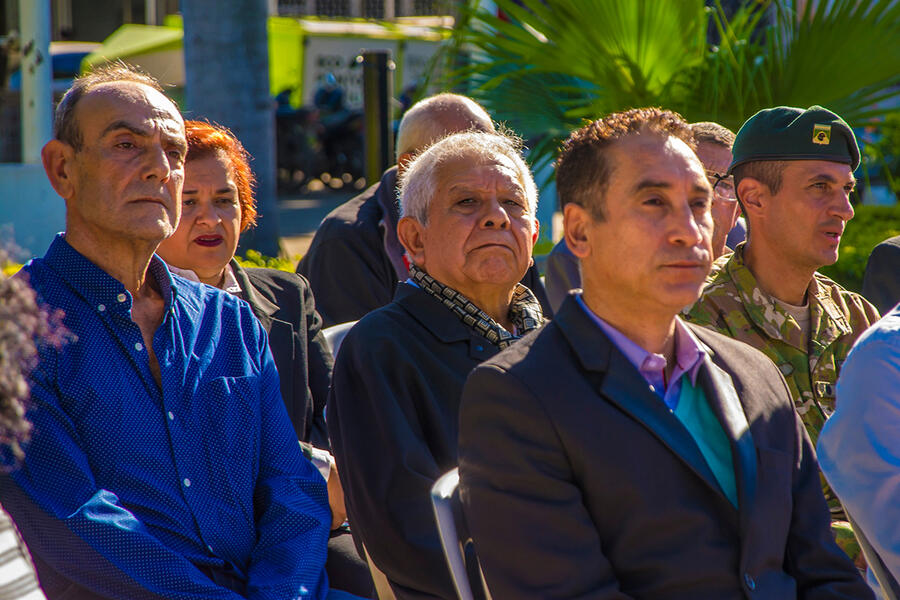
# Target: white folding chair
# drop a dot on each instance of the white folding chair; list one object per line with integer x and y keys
{"x": 890, "y": 589}
{"x": 446, "y": 503}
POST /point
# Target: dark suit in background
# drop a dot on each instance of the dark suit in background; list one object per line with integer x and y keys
{"x": 355, "y": 259}
{"x": 393, "y": 420}
{"x": 881, "y": 283}
{"x": 578, "y": 482}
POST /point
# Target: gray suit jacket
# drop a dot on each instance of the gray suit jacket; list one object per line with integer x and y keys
{"x": 578, "y": 482}
{"x": 881, "y": 283}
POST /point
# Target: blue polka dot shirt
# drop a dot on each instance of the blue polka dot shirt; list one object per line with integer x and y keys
{"x": 197, "y": 489}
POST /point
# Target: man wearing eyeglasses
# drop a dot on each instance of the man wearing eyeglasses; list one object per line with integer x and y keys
{"x": 793, "y": 171}
{"x": 714, "y": 150}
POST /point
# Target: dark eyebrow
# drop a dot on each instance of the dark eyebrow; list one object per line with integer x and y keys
{"x": 649, "y": 183}
{"x": 125, "y": 125}
{"x": 831, "y": 179}
{"x": 219, "y": 191}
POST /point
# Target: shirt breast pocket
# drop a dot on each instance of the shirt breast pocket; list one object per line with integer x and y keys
{"x": 232, "y": 406}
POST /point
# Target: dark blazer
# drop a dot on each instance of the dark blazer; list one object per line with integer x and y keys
{"x": 881, "y": 283}
{"x": 578, "y": 482}
{"x": 285, "y": 306}
{"x": 393, "y": 420}
{"x": 347, "y": 263}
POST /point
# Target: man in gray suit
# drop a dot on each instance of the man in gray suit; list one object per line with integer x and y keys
{"x": 620, "y": 452}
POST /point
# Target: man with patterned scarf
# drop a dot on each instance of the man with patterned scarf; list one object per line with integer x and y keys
{"x": 468, "y": 226}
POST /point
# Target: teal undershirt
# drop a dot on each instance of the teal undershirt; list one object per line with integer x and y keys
{"x": 695, "y": 414}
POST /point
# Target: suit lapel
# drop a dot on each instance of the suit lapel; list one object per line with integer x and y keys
{"x": 261, "y": 306}
{"x": 614, "y": 378}
{"x": 723, "y": 399}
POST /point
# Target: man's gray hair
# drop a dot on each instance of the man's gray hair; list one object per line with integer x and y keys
{"x": 418, "y": 184}
{"x": 65, "y": 128}
{"x": 431, "y": 119}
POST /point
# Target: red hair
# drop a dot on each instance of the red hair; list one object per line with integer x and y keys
{"x": 205, "y": 139}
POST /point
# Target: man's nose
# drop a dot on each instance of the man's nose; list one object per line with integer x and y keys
{"x": 686, "y": 230}
{"x": 841, "y": 207}
{"x": 158, "y": 166}
{"x": 494, "y": 215}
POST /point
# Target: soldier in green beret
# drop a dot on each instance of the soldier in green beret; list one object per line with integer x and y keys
{"x": 793, "y": 172}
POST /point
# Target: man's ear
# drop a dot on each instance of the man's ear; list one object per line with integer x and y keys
{"x": 537, "y": 231}
{"x": 576, "y": 220}
{"x": 58, "y": 159}
{"x": 412, "y": 235}
{"x": 754, "y": 195}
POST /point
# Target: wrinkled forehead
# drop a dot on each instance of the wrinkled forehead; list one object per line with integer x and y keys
{"x": 714, "y": 156}
{"x": 474, "y": 167}
{"x": 655, "y": 150}
{"x": 664, "y": 160}
{"x": 129, "y": 102}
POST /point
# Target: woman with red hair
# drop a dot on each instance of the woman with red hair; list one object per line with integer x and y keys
{"x": 217, "y": 204}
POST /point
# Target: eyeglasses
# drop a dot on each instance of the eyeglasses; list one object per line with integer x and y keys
{"x": 723, "y": 186}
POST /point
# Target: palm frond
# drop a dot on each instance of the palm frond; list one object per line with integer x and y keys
{"x": 554, "y": 63}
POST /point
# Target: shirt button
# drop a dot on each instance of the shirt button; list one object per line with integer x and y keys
{"x": 101, "y": 307}
{"x": 138, "y": 346}
{"x": 121, "y": 297}
{"x": 652, "y": 389}
{"x": 187, "y": 482}
{"x": 751, "y": 584}
{"x": 211, "y": 551}
{"x": 171, "y": 416}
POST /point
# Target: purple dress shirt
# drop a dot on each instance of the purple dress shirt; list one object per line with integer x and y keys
{"x": 652, "y": 367}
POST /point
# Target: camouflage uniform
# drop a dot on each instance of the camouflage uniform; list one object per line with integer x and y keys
{"x": 733, "y": 304}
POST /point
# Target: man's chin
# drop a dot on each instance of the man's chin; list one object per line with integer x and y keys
{"x": 679, "y": 297}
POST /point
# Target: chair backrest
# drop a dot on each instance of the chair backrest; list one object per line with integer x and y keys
{"x": 890, "y": 589}
{"x": 448, "y": 512}
{"x": 335, "y": 335}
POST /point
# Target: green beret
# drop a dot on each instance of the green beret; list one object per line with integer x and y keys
{"x": 787, "y": 133}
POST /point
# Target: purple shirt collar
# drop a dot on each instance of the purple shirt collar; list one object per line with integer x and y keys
{"x": 689, "y": 352}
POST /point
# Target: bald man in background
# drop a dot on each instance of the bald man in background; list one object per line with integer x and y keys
{"x": 355, "y": 259}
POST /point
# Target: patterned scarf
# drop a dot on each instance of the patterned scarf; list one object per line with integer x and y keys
{"x": 524, "y": 311}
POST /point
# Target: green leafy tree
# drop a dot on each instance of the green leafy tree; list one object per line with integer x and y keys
{"x": 554, "y": 63}
{"x": 883, "y": 152}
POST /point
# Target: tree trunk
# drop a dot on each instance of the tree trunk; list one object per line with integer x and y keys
{"x": 226, "y": 57}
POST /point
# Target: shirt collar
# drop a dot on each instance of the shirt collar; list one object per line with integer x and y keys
{"x": 100, "y": 289}
{"x": 689, "y": 351}
{"x": 229, "y": 283}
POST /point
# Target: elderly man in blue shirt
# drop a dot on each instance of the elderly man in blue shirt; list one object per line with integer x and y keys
{"x": 163, "y": 463}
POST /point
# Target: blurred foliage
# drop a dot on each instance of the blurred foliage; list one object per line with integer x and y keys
{"x": 871, "y": 226}
{"x": 543, "y": 246}
{"x": 882, "y": 153}
{"x": 551, "y": 64}
{"x": 254, "y": 258}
